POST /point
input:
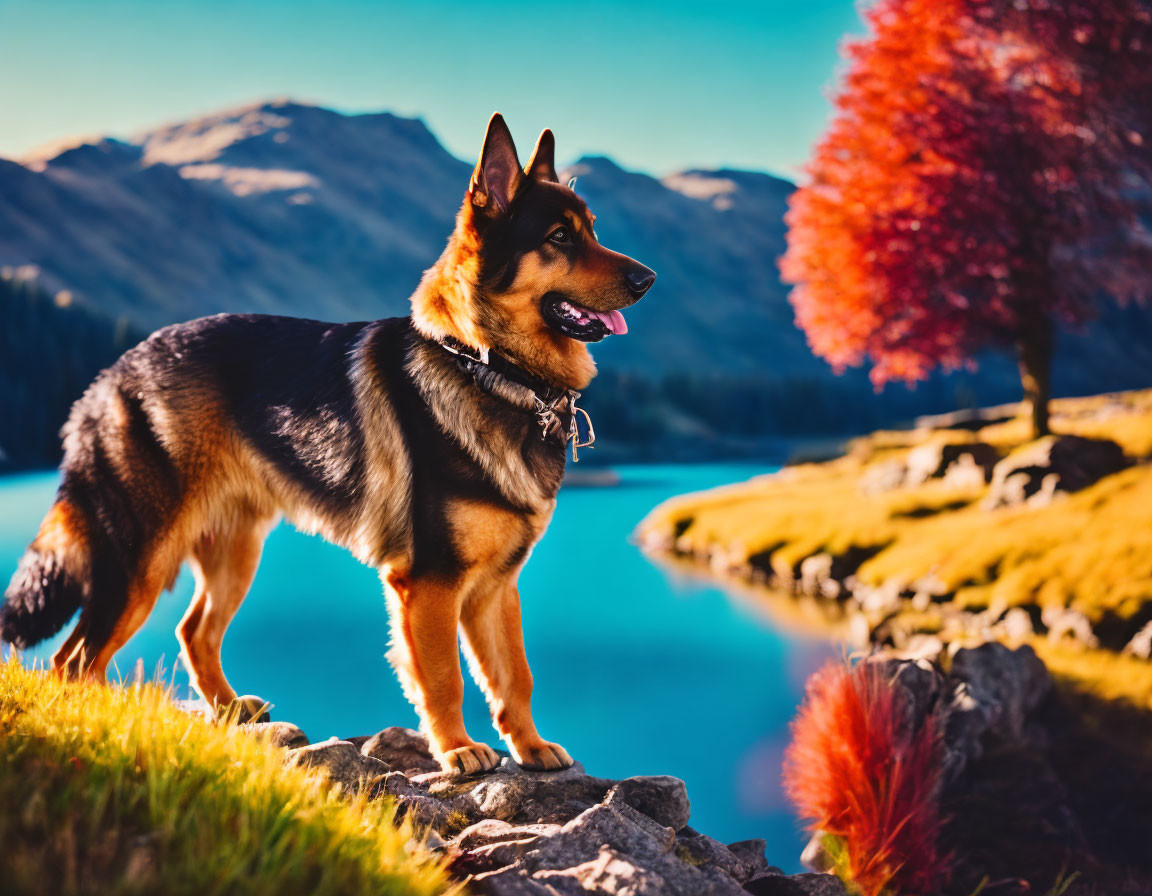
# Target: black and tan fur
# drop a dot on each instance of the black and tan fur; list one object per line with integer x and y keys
{"x": 197, "y": 441}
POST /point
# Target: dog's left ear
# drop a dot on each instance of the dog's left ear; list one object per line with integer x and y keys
{"x": 543, "y": 164}
{"x": 497, "y": 176}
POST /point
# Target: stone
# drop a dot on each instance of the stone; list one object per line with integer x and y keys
{"x": 491, "y": 844}
{"x": 614, "y": 873}
{"x": 937, "y": 460}
{"x": 1064, "y": 623}
{"x": 795, "y": 885}
{"x": 616, "y": 826}
{"x": 702, "y": 850}
{"x": 341, "y": 761}
{"x": 816, "y": 574}
{"x": 662, "y": 798}
{"x": 999, "y": 685}
{"x": 753, "y": 853}
{"x": 512, "y": 794}
{"x": 966, "y": 472}
{"x": 279, "y": 734}
{"x": 403, "y": 749}
{"x": 883, "y": 476}
{"x": 517, "y": 882}
{"x": 1016, "y": 625}
{"x": 1037, "y": 473}
{"x": 446, "y": 813}
{"x": 1141, "y": 643}
{"x": 815, "y": 856}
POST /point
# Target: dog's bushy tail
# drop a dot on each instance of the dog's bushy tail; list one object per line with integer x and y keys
{"x": 51, "y": 582}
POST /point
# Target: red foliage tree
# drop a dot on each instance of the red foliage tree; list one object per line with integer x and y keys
{"x": 981, "y": 182}
{"x": 867, "y": 783}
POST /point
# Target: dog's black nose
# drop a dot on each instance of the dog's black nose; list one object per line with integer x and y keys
{"x": 640, "y": 279}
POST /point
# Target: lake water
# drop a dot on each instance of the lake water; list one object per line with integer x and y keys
{"x": 637, "y": 672}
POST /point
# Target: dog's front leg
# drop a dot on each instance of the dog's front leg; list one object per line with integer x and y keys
{"x": 494, "y": 639}
{"x": 426, "y": 654}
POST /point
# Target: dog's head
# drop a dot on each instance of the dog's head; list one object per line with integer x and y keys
{"x": 524, "y": 274}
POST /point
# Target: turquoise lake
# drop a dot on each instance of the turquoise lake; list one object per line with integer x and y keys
{"x": 637, "y": 671}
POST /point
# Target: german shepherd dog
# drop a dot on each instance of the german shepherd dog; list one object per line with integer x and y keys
{"x": 431, "y": 446}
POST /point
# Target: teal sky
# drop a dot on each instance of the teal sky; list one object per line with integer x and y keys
{"x": 659, "y": 86}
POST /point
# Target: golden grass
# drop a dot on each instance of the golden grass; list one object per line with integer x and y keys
{"x": 1112, "y": 678}
{"x": 1091, "y": 551}
{"x": 115, "y": 790}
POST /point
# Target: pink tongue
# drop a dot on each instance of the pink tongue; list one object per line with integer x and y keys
{"x": 614, "y": 321}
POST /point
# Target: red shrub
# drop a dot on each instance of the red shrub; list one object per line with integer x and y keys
{"x": 855, "y": 772}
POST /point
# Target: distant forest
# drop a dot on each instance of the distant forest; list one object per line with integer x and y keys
{"x": 49, "y": 352}
{"x": 51, "y": 347}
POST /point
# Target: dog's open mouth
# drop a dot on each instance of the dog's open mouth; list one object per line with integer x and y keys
{"x": 579, "y": 322}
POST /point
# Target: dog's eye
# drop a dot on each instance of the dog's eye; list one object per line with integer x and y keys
{"x": 560, "y": 236}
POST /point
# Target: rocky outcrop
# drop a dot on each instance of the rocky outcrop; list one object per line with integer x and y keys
{"x": 1036, "y": 473}
{"x": 979, "y": 699}
{"x": 512, "y": 832}
{"x": 959, "y": 464}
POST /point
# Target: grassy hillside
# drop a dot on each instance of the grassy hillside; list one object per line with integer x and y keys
{"x": 115, "y": 790}
{"x": 1090, "y": 551}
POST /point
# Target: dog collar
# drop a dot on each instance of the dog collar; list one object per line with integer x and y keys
{"x": 486, "y": 367}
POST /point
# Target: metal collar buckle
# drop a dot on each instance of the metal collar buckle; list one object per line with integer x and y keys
{"x": 549, "y": 420}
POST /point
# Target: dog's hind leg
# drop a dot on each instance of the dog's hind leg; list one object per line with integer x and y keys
{"x": 225, "y": 566}
{"x": 494, "y": 642}
{"x": 157, "y": 572}
{"x": 425, "y": 652}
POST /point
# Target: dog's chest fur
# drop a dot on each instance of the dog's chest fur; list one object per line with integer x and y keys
{"x": 470, "y": 455}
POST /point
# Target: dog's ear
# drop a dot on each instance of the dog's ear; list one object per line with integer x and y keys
{"x": 543, "y": 164}
{"x": 497, "y": 176}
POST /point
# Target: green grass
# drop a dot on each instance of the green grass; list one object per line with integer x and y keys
{"x": 108, "y": 789}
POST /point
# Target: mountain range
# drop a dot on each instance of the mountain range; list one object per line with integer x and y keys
{"x": 289, "y": 208}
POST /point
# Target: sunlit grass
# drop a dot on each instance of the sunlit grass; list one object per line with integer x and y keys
{"x": 1091, "y": 551}
{"x": 115, "y": 790}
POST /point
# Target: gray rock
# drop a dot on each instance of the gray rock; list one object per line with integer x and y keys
{"x": 950, "y": 461}
{"x": 512, "y": 794}
{"x": 614, "y": 873}
{"x": 1036, "y": 473}
{"x": 1008, "y": 684}
{"x": 795, "y": 885}
{"x": 883, "y": 476}
{"x": 753, "y": 854}
{"x": 1063, "y": 622}
{"x": 612, "y": 848}
{"x": 616, "y": 826}
{"x": 279, "y": 734}
{"x": 662, "y": 798}
{"x": 446, "y": 813}
{"x": 517, "y": 882}
{"x": 489, "y": 844}
{"x": 1017, "y": 625}
{"x": 815, "y": 856}
{"x": 1141, "y": 643}
{"x": 701, "y": 850}
{"x": 342, "y": 762}
{"x": 403, "y": 749}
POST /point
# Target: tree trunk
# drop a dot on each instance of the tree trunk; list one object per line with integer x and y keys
{"x": 1034, "y": 350}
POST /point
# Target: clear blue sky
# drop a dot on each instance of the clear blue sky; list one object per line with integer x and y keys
{"x": 657, "y": 85}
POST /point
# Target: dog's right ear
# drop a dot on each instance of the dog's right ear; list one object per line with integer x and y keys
{"x": 543, "y": 164}
{"x": 498, "y": 173}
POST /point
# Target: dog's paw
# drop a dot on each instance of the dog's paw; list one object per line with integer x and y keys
{"x": 469, "y": 759}
{"x": 541, "y": 756}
